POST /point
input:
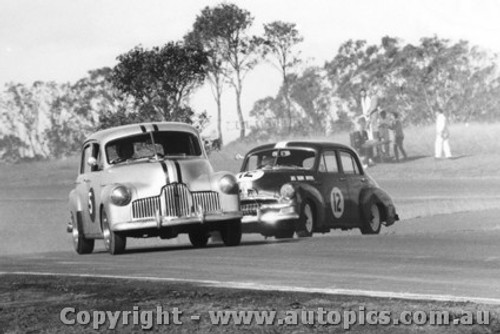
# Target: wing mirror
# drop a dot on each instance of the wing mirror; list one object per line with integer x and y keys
{"x": 92, "y": 162}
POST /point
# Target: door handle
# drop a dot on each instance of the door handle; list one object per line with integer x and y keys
{"x": 86, "y": 180}
{"x": 342, "y": 179}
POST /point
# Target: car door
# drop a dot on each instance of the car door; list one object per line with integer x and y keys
{"x": 88, "y": 188}
{"x": 356, "y": 180}
{"x": 334, "y": 188}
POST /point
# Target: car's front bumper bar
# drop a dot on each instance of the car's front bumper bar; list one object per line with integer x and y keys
{"x": 165, "y": 221}
{"x": 271, "y": 214}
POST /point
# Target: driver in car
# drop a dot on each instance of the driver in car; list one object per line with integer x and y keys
{"x": 125, "y": 151}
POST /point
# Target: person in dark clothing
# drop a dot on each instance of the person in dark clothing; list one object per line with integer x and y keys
{"x": 397, "y": 128}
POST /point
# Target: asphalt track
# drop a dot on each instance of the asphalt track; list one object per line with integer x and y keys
{"x": 444, "y": 257}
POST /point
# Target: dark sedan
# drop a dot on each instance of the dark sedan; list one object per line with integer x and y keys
{"x": 305, "y": 187}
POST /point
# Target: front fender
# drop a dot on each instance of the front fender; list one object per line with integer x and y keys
{"x": 229, "y": 202}
{"x": 308, "y": 192}
{"x": 116, "y": 214}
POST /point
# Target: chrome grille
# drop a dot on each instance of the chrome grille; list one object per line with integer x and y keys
{"x": 208, "y": 200}
{"x": 178, "y": 202}
{"x": 146, "y": 207}
{"x": 249, "y": 209}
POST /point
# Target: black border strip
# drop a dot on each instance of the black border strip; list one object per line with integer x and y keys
{"x": 143, "y": 128}
{"x": 165, "y": 170}
{"x": 155, "y": 128}
{"x": 179, "y": 174}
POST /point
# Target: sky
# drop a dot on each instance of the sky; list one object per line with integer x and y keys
{"x": 60, "y": 40}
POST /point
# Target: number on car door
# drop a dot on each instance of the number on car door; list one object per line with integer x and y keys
{"x": 334, "y": 189}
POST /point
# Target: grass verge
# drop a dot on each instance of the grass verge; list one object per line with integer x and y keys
{"x": 34, "y": 303}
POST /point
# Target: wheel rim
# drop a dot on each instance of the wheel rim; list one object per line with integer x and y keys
{"x": 105, "y": 231}
{"x": 375, "y": 217}
{"x": 309, "y": 218}
{"x": 75, "y": 234}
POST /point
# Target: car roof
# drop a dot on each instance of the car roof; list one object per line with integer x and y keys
{"x": 138, "y": 128}
{"x": 317, "y": 145}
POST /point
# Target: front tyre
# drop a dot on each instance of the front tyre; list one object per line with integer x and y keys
{"x": 371, "y": 223}
{"x": 81, "y": 244}
{"x": 231, "y": 233}
{"x": 307, "y": 221}
{"x": 114, "y": 242}
{"x": 199, "y": 238}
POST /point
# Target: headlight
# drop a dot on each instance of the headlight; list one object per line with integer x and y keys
{"x": 287, "y": 191}
{"x": 120, "y": 195}
{"x": 228, "y": 184}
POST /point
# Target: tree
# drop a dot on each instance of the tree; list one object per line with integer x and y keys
{"x": 160, "y": 80}
{"x": 311, "y": 93}
{"x": 279, "y": 40}
{"x": 227, "y": 25}
{"x": 217, "y": 69}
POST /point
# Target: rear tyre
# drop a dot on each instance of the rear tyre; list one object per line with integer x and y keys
{"x": 231, "y": 233}
{"x": 81, "y": 244}
{"x": 115, "y": 243}
{"x": 372, "y": 215}
{"x": 307, "y": 221}
{"x": 199, "y": 239}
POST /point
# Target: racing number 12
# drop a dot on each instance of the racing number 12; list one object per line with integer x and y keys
{"x": 337, "y": 203}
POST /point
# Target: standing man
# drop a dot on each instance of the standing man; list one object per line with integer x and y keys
{"x": 368, "y": 106}
{"x": 442, "y": 136}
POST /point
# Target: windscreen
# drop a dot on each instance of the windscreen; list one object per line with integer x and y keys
{"x": 280, "y": 158}
{"x": 163, "y": 144}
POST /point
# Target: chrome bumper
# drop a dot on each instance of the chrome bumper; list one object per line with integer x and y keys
{"x": 272, "y": 214}
{"x": 165, "y": 221}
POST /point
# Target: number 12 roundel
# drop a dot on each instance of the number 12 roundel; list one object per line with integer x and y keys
{"x": 337, "y": 202}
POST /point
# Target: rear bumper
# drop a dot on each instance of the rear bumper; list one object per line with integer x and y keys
{"x": 160, "y": 222}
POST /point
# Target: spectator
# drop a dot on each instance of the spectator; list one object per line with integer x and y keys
{"x": 368, "y": 109}
{"x": 383, "y": 133}
{"x": 359, "y": 137}
{"x": 397, "y": 128}
{"x": 442, "y": 136}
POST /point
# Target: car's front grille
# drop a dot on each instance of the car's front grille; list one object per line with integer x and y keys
{"x": 146, "y": 207}
{"x": 176, "y": 201}
{"x": 249, "y": 209}
{"x": 208, "y": 200}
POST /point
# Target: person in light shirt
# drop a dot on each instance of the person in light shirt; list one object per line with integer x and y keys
{"x": 442, "y": 136}
{"x": 368, "y": 107}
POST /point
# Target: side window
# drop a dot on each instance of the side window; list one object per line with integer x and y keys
{"x": 328, "y": 163}
{"x": 90, "y": 150}
{"x": 349, "y": 164}
{"x": 86, "y": 154}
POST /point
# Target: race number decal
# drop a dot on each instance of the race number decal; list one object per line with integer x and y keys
{"x": 337, "y": 202}
{"x": 91, "y": 205}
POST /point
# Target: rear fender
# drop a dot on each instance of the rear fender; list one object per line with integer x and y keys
{"x": 385, "y": 203}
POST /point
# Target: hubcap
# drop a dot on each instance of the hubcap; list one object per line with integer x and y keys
{"x": 105, "y": 231}
{"x": 309, "y": 218}
{"x": 75, "y": 234}
{"x": 375, "y": 217}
